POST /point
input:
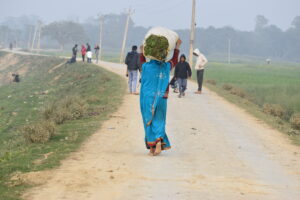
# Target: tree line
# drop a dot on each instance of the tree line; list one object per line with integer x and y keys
{"x": 266, "y": 40}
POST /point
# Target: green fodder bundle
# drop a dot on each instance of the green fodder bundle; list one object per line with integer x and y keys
{"x": 295, "y": 121}
{"x": 40, "y": 132}
{"x": 156, "y": 47}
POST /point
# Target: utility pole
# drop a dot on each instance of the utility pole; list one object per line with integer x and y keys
{"x": 101, "y": 21}
{"x": 29, "y": 36}
{"x": 129, "y": 14}
{"x": 39, "y": 36}
{"x": 34, "y": 36}
{"x": 229, "y": 51}
{"x": 192, "y": 36}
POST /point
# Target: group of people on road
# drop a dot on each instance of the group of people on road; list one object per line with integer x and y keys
{"x": 154, "y": 92}
{"x": 86, "y": 52}
{"x": 182, "y": 72}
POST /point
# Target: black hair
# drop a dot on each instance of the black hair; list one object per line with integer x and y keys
{"x": 134, "y": 48}
{"x": 182, "y": 56}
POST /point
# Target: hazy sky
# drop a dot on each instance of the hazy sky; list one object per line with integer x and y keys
{"x": 170, "y": 13}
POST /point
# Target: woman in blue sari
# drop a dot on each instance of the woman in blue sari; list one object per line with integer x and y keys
{"x": 153, "y": 100}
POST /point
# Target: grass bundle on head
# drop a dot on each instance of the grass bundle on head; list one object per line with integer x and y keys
{"x": 157, "y": 47}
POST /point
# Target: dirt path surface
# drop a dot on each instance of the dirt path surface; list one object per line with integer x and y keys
{"x": 218, "y": 152}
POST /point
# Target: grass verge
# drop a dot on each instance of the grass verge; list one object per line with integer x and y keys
{"x": 24, "y": 104}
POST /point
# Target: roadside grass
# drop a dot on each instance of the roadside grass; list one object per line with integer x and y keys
{"x": 269, "y": 92}
{"x": 23, "y": 104}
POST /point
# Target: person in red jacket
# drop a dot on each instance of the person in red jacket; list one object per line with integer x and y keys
{"x": 83, "y": 52}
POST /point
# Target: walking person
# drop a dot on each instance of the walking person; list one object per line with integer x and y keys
{"x": 89, "y": 53}
{"x": 153, "y": 100}
{"x": 182, "y": 73}
{"x": 97, "y": 51}
{"x": 199, "y": 67}
{"x": 83, "y": 52}
{"x": 133, "y": 66}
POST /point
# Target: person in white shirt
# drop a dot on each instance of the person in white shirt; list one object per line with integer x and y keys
{"x": 199, "y": 67}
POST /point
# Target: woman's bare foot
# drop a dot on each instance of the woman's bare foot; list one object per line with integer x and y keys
{"x": 157, "y": 149}
{"x": 152, "y": 150}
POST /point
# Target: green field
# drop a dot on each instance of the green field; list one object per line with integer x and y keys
{"x": 23, "y": 104}
{"x": 276, "y": 85}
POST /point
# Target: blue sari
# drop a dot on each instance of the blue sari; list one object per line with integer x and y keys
{"x": 155, "y": 81}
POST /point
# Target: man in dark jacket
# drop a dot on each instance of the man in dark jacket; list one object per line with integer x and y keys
{"x": 74, "y": 54}
{"x": 182, "y": 72}
{"x": 133, "y": 66}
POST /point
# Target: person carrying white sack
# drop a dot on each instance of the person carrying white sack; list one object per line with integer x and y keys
{"x": 199, "y": 67}
{"x": 161, "y": 46}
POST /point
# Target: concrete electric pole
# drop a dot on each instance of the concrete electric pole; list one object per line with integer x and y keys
{"x": 37, "y": 36}
{"x": 29, "y": 36}
{"x": 101, "y": 22}
{"x": 129, "y": 14}
{"x": 192, "y": 36}
{"x": 34, "y": 36}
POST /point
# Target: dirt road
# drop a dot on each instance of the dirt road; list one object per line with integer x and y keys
{"x": 218, "y": 152}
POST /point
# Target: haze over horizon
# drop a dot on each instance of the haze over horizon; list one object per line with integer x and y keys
{"x": 173, "y": 14}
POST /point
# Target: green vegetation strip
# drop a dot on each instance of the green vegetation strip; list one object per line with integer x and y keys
{"x": 51, "y": 114}
{"x": 269, "y": 92}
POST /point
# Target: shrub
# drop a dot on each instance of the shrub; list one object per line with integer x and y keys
{"x": 49, "y": 111}
{"x": 77, "y": 110}
{"x": 212, "y": 82}
{"x": 227, "y": 87}
{"x": 75, "y": 106}
{"x": 275, "y": 110}
{"x": 40, "y": 132}
{"x": 69, "y": 108}
{"x": 295, "y": 121}
{"x": 61, "y": 115}
{"x": 238, "y": 92}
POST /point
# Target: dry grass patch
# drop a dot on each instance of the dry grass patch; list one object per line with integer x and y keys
{"x": 69, "y": 108}
{"x": 275, "y": 110}
{"x": 227, "y": 87}
{"x": 295, "y": 121}
{"x": 211, "y": 81}
{"x": 39, "y": 132}
{"x": 238, "y": 92}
